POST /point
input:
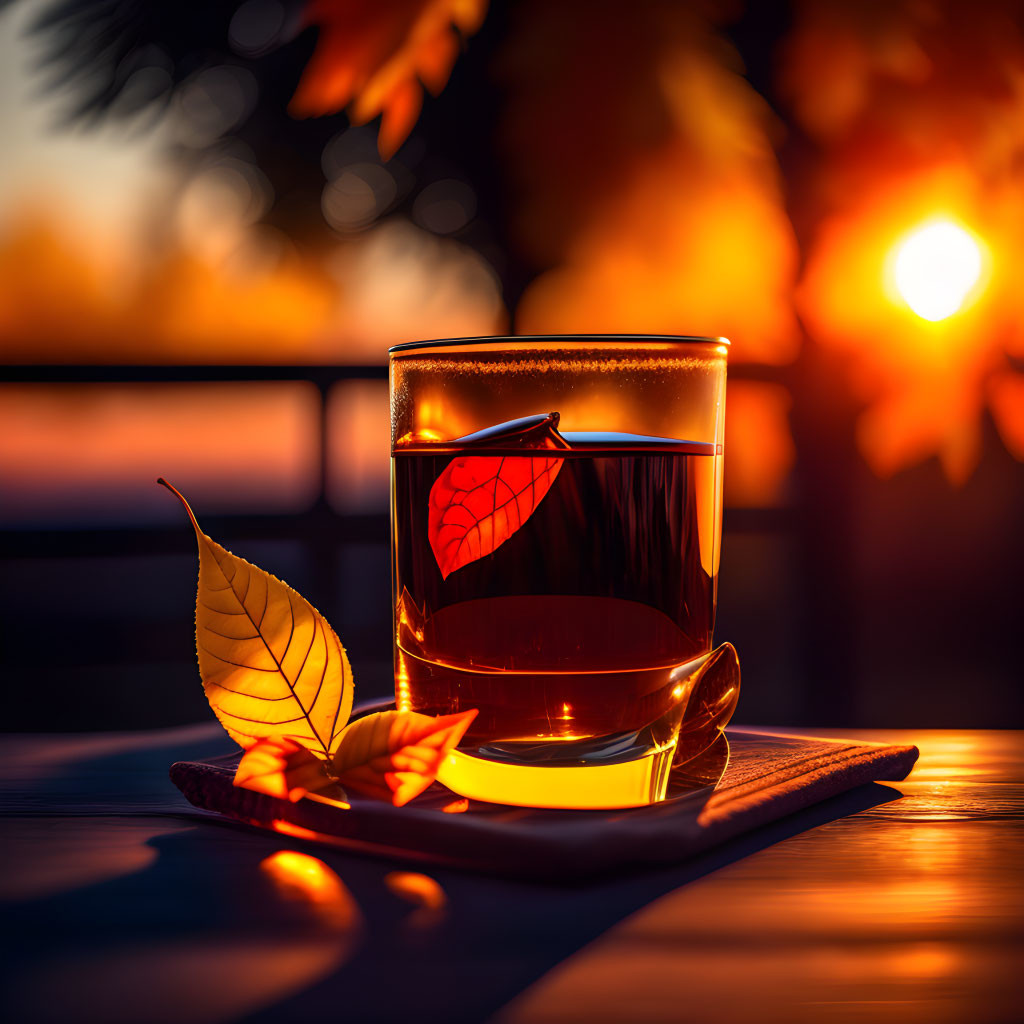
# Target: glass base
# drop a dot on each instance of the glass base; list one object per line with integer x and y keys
{"x": 667, "y": 760}
{"x": 587, "y": 785}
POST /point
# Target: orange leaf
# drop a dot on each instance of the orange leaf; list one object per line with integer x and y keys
{"x": 281, "y": 767}
{"x": 395, "y": 755}
{"x": 479, "y": 501}
{"x": 398, "y": 117}
{"x": 371, "y": 58}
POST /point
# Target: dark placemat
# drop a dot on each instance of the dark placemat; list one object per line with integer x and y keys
{"x": 768, "y": 776}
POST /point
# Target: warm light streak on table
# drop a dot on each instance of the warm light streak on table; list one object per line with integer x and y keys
{"x": 907, "y": 911}
{"x": 120, "y": 906}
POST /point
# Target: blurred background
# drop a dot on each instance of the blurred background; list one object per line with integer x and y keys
{"x": 215, "y": 218}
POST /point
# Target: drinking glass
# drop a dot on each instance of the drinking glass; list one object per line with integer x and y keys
{"x": 556, "y": 509}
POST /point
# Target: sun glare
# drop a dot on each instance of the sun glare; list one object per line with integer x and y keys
{"x": 935, "y": 269}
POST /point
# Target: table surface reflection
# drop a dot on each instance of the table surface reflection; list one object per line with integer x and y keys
{"x": 895, "y": 902}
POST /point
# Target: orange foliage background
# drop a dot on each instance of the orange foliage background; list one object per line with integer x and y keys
{"x": 644, "y": 190}
{"x": 648, "y": 177}
{"x": 916, "y": 109}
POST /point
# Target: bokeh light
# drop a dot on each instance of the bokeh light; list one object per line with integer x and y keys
{"x": 445, "y": 206}
{"x": 358, "y": 196}
{"x": 257, "y": 26}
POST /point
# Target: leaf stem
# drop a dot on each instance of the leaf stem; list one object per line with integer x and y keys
{"x": 181, "y": 498}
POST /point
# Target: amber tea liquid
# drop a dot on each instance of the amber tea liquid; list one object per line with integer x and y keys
{"x": 570, "y": 627}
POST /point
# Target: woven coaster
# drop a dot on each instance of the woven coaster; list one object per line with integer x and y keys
{"x": 768, "y": 777}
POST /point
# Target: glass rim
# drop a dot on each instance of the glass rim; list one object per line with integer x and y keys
{"x": 511, "y": 339}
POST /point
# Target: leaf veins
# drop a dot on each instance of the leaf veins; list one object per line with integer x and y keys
{"x": 270, "y": 663}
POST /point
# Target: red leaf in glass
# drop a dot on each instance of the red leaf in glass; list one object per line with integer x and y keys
{"x": 479, "y": 501}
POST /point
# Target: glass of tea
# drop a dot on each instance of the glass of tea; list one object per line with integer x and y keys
{"x": 556, "y": 509}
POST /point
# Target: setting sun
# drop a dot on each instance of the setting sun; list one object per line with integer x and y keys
{"x": 935, "y": 269}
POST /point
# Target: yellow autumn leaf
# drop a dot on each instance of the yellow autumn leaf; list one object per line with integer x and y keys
{"x": 270, "y": 663}
{"x": 396, "y": 755}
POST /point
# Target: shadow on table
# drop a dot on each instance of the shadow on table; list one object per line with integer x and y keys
{"x": 221, "y": 927}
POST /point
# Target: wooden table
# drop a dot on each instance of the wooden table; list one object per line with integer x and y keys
{"x": 121, "y": 905}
